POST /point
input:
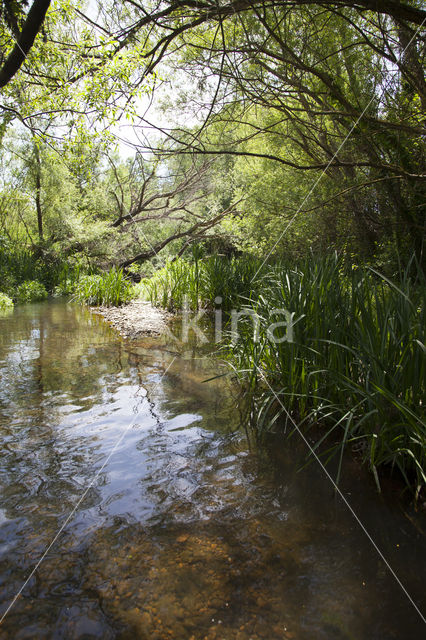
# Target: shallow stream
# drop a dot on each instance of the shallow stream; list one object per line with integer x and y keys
{"x": 166, "y": 523}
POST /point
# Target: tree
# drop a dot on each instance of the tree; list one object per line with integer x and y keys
{"x": 24, "y": 36}
{"x": 159, "y": 202}
{"x": 333, "y": 91}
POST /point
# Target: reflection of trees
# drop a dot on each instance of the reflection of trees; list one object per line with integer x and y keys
{"x": 57, "y": 364}
{"x": 54, "y": 354}
{"x": 55, "y": 360}
{"x": 249, "y": 537}
{"x": 60, "y": 361}
{"x": 183, "y": 379}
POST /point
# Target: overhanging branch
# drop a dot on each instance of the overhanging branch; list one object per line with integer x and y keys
{"x": 202, "y": 226}
{"x": 32, "y": 26}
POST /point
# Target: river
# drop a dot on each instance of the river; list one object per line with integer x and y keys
{"x": 132, "y": 506}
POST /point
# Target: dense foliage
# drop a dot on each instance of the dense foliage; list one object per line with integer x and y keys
{"x": 301, "y": 123}
{"x": 30, "y": 291}
{"x": 5, "y": 302}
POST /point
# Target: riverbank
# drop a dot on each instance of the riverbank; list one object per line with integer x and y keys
{"x": 347, "y": 353}
{"x": 135, "y": 319}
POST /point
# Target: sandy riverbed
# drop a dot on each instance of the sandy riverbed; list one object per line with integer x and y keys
{"x": 135, "y": 319}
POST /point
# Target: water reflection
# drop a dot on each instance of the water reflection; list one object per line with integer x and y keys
{"x": 185, "y": 532}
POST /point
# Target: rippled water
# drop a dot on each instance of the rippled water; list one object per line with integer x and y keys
{"x": 172, "y": 526}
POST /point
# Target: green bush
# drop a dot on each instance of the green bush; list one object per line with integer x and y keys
{"x": 5, "y": 302}
{"x": 30, "y": 291}
{"x": 110, "y": 289}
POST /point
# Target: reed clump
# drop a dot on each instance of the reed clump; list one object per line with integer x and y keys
{"x": 198, "y": 283}
{"x": 110, "y": 289}
{"x": 355, "y": 363}
{"x": 21, "y": 265}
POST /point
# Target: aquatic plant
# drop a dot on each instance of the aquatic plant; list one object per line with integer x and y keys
{"x": 109, "y": 289}
{"x": 355, "y": 365}
{"x": 172, "y": 286}
{"x": 69, "y": 277}
{"x": 200, "y": 282}
{"x": 19, "y": 264}
{"x": 356, "y": 361}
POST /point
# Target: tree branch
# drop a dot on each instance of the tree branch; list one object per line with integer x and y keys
{"x": 32, "y": 26}
{"x": 204, "y": 226}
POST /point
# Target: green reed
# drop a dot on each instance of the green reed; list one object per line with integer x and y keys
{"x": 198, "y": 283}
{"x": 20, "y": 264}
{"x": 68, "y": 279}
{"x": 356, "y": 364}
{"x": 109, "y": 289}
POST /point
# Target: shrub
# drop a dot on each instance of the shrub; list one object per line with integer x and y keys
{"x": 5, "y": 302}
{"x": 30, "y": 291}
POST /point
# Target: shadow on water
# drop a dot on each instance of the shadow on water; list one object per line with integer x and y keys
{"x": 184, "y": 532}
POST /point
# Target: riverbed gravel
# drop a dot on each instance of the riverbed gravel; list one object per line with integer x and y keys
{"x": 138, "y": 318}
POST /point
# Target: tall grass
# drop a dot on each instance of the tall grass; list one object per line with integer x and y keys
{"x": 356, "y": 364}
{"x": 172, "y": 286}
{"x": 109, "y": 289}
{"x": 17, "y": 265}
{"x": 198, "y": 283}
{"x": 68, "y": 279}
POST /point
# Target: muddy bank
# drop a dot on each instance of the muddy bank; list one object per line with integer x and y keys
{"x": 135, "y": 319}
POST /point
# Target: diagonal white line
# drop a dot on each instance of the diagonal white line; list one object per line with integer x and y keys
{"x": 80, "y": 500}
{"x": 341, "y": 495}
{"x": 313, "y": 453}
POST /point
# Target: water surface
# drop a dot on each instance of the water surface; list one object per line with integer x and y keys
{"x": 173, "y": 526}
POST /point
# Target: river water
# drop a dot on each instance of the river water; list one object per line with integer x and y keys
{"x": 165, "y": 522}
